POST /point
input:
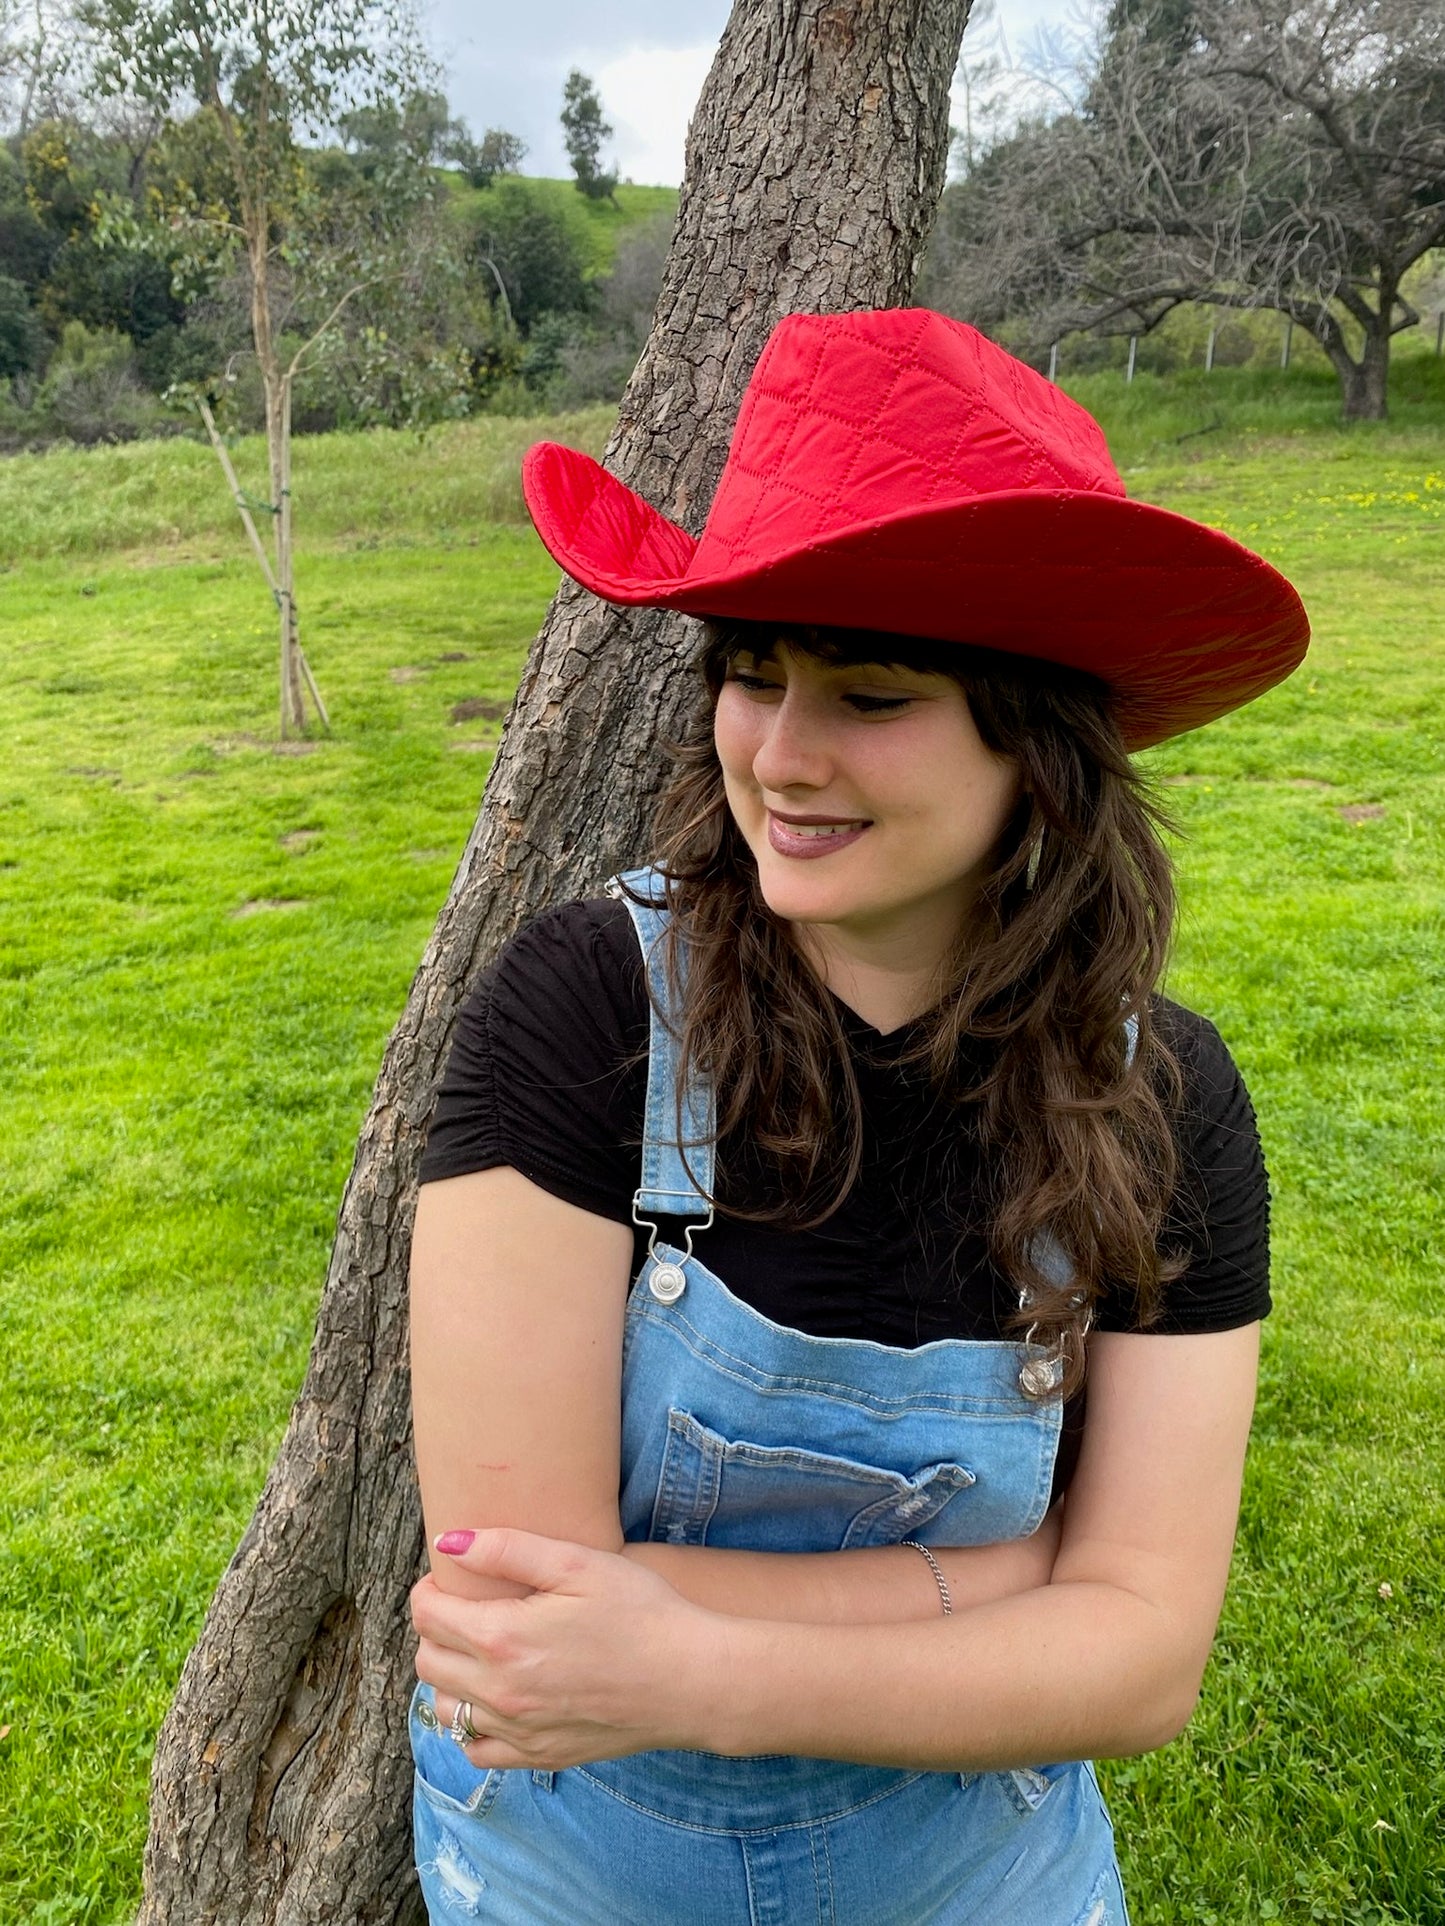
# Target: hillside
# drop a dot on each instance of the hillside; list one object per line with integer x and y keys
{"x": 597, "y": 225}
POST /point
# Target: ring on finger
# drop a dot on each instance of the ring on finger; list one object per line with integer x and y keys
{"x": 461, "y": 1727}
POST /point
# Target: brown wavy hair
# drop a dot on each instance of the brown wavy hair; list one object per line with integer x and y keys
{"x": 1027, "y": 1039}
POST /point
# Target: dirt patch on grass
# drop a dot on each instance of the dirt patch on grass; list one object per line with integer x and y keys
{"x": 1361, "y": 812}
{"x": 298, "y": 838}
{"x": 407, "y": 672}
{"x": 1286, "y": 782}
{"x": 259, "y": 905}
{"x": 487, "y": 707}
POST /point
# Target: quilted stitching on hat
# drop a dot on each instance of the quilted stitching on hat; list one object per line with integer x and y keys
{"x": 773, "y": 493}
{"x": 1028, "y": 395}
{"x": 740, "y": 541}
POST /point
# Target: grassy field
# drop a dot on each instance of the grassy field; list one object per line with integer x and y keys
{"x": 206, "y": 941}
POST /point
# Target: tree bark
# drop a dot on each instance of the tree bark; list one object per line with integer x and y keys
{"x": 1364, "y": 384}
{"x": 1366, "y": 390}
{"x": 281, "y": 1780}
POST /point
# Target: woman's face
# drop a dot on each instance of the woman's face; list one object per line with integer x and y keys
{"x": 866, "y": 794}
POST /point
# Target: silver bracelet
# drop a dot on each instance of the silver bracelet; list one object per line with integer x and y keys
{"x": 937, "y": 1570}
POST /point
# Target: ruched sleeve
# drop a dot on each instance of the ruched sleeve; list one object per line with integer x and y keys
{"x": 547, "y": 1071}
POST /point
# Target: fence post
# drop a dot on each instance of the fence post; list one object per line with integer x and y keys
{"x": 1288, "y": 337}
{"x": 1440, "y": 330}
{"x": 1209, "y": 348}
{"x": 1133, "y": 350}
{"x": 1054, "y": 361}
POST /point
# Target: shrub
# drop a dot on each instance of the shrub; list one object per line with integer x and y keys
{"x": 92, "y": 390}
{"x": 536, "y": 249}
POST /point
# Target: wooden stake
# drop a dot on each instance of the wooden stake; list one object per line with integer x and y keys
{"x": 224, "y": 457}
{"x": 1288, "y": 338}
{"x": 1054, "y": 362}
{"x": 311, "y": 685}
{"x": 1133, "y": 350}
{"x": 295, "y": 699}
{"x": 301, "y": 677}
{"x": 1209, "y": 348}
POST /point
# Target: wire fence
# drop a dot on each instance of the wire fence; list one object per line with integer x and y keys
{"x": 1234, "y": 341}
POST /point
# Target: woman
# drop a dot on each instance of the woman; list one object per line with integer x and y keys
{"x": 795, "y": 1582}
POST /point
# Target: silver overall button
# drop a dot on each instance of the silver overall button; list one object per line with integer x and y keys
{"x": 1038, "y": 1376}
{"x": 667, "y": 1283}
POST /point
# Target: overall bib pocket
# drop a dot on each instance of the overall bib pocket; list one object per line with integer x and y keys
{"x": 729, "y": 1492}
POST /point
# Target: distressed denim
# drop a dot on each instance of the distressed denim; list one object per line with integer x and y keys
{"x": 741, "y": 1432}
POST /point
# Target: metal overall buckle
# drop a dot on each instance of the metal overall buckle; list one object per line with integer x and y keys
{"x": 666, "y": 1280}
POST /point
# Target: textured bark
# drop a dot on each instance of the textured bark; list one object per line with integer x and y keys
{"x": 281, "y": 1781}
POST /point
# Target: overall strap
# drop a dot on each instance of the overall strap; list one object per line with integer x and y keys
{"x": 677, "y": 1177}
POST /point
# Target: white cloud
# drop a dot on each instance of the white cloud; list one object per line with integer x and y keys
{"x": 648, "y": 94}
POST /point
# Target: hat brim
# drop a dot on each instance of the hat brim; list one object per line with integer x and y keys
{"x": 1182, "y": 623}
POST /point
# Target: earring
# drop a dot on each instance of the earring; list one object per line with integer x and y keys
{"x": 1031, "y": 874}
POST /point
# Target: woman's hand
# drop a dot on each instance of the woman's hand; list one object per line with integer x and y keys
{"x": 602, "y": 1658}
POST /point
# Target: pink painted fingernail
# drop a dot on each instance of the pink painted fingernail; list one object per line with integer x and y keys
{"x": 454, "y": 1543}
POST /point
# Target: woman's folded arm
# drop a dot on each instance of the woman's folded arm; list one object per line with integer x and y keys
{"x": 874, "y": 1585}
{"x": 517, "y": 1306}
{"x": 1105, "y": 1659}
{"x": 518, "y": 1309}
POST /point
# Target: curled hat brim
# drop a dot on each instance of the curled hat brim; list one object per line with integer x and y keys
{"x": 1182, "y": 623}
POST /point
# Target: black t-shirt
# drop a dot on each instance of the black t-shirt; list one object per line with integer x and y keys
{"x": 547, "y": 1074}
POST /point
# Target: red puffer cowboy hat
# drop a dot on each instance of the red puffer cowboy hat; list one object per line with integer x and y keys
{"x": 894, "y": 470}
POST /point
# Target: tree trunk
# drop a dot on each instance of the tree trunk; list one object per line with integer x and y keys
{"x": 1364, "y": 384}
{"x": 1366, "y": 390}
{"x": 280, "y": 1788}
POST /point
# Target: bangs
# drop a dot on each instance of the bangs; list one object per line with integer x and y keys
{"x": 727, "y": 638}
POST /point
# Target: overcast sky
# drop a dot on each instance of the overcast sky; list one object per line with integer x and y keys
{"x": 504, "y": 64}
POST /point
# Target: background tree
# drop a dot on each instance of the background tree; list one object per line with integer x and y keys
{"x": 980, "y": 95}
{"x": 584, "y": 129}
{"x": 1243, "y": 153}
{"x": 39, "y": 59}
{"x": 262, "y": 69}
{"x": 495, "y": 154}
{"x": 420, "y": 127}
{"x": 281, "y": 1776}
{"x": 70, "y": 171}
{"x": 402, "y": 351}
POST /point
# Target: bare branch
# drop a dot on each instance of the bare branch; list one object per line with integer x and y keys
{"x": 1285, "y": 154}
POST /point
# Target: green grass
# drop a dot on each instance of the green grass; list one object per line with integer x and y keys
{"x": 1188, "y": 416}
{"x": 206, "y": 942}
{"x": 376, "y": 488}
{"x": 1313, "y": 1778}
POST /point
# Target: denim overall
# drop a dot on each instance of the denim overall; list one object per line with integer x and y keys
{"x": 739, "y": 1432}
